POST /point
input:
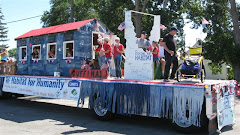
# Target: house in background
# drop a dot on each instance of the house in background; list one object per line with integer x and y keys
{"x": 209, "y": 73}
{"x": 60, "y": 47}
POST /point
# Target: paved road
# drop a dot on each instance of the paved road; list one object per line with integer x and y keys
{"x": 35, "y": 116}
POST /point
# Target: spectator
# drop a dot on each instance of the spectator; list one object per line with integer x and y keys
{"x": 162, "y": 56}
{"x": 4, "y": 55}
{"x": 108, "y": 53}
{"x": 118, "y": 51}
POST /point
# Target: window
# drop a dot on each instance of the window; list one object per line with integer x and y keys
{"x": 52, "y": 51}
{"x": 36, "y": 52}
{"x": 68, "y": 49}
{"x": 23, "y": 53}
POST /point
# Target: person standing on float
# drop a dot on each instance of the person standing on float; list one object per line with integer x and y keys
{"x": 169, "y": 44}
{"x": 108, "y": 53}
{"x": 118, "y": 51}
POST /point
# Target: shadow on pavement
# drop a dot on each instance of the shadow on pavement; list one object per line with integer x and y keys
{"x": 20, "y": 111}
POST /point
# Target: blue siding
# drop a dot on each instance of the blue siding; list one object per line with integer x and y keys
{"x": 82, "y": 51}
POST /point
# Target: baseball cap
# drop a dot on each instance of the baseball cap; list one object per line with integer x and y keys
{"x": 117, "y": 38}
{"x": 106, "y": 39}
{"x": 174, "y": 28}
{"x": 144, "y": 32}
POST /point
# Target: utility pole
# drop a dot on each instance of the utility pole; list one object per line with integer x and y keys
{"x": 71, "y": 16}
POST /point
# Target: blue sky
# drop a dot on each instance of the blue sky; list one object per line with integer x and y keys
{"x": 20, "y": 9}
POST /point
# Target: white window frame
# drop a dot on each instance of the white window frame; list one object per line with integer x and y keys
{"x": 20, "y": 53}
{"x": 93, "y": 52}
{"x": 48, "y": 49}
{"x": 39, "y": 52}
{"x": 64, "y": 50}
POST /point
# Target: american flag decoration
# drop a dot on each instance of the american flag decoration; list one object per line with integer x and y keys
{"x": 50, "y": 61}
{"x": 35, "y": 61}
{"x": 163, "y": 27}
{"x": 68, "y": 61}
{"x": 23, "y": 61}
{"x": 204, "y": 21}
{"x": 122, "y": 26}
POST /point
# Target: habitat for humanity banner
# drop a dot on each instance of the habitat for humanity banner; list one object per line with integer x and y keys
{"x": 43, "y": 87}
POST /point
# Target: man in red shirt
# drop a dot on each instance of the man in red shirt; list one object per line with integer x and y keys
{"x": 118, "y": 51}
{"x": 108, "y": 53}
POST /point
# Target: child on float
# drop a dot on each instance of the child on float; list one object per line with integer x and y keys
{"x": 155, "y": 52}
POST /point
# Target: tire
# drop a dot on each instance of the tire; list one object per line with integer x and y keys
{"x": 100, "y": 112}
{"x": 188, "y": 129}
{"x": 6, "y": 95}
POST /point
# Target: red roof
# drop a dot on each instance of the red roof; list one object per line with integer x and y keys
{"x": 55, "y": 29}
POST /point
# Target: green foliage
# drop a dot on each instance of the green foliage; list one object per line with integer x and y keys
{"x": 13, "y": 53}
{"x": 60, "y": 12}
{"x": 215, "y": 68}
{"x": 230, "y": 73}
{"x": 219, "y": 45}
{"x": 3, "y": 31}
{"x": 111, "y": 13}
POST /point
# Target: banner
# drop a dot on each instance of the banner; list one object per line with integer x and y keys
{"x": 225, "y": 104}
{"x": 43, "y": 87}
{"x": 88, "y": 73}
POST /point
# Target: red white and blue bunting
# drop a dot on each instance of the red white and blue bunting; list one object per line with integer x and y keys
{"x": 50, "y": 61}
{"x": 68, "y": 61}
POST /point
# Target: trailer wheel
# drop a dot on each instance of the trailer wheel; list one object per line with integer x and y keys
{"x": 6, "y": 95}
{"x": 101, "y": 112}
{"x": 189, "y": 128}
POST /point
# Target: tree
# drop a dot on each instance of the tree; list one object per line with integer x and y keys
{"x": 61, "y": 9}
{"x": 13, "y": 53}
{"x": 3, "y": 31}
{"x": 111, "y": 13}
{"x": 222, "y": 43}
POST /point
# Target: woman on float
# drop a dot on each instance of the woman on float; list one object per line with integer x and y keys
{"x": 118, "y": 51}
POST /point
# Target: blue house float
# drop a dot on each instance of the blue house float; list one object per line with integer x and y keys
{"x": 60, "y": 48}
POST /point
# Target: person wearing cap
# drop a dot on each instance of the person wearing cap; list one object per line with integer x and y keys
{"x": 101, "y": 55}
{"x": 169, "y": 44}
{"x": 143, "y": 42}
{"x": 118, "y": 51}
{"x": 108, "y": 53}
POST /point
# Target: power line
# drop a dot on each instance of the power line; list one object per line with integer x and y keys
{"x": 24, "y": 19}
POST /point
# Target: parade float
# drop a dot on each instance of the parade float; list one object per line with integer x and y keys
{"x": 189, "y": 105}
